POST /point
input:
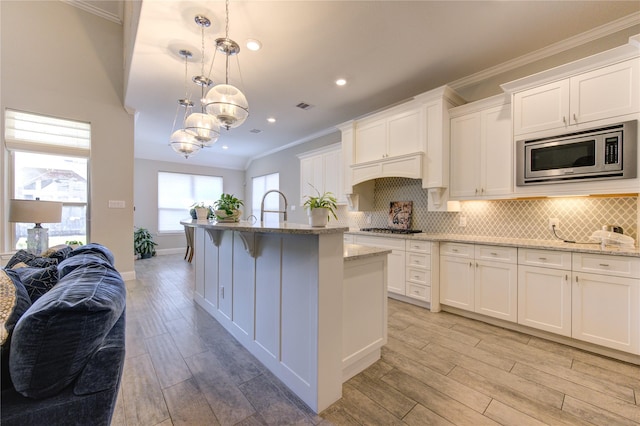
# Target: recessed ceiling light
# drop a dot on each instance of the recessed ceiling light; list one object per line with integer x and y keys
{"x": 271, "y": 119}
{"x": 225, "y": 147}
{"x": 253, "y": 44}
{"x": 341, "y": 82}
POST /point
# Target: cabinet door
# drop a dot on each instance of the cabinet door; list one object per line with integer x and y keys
{"x": 606, "y": 311}
{"x": 311, "y": 176}
{"x": 465, "y": 150}
{"x": 496, "y": 290}
{"x": 496, "y": 174}
{"x": 371, "y": 141}
{"x": 396, "y": 272}
{"x": 544, "y": 299}
{"x": 405, "y": 134}
{"x": 541, "y": 108}
{"x": 605, "y": 92}
{"x": 456, "y": 282}
{"x": 332, "y": 172}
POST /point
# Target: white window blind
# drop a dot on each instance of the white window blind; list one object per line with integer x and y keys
{"x": 176, "y": 194}
{"x": 260, "y": 185}
{"x": 33, "y": 132}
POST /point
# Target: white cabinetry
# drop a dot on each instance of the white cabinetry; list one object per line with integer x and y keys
{"x": 479, "y": 278}
{"x": 321, "y": 169}
{"x": 544, "y": 290}
{"x": 569, "y": 103}
{"x": 418, "y": 270}
{"x": 606, "y": 301}
{"x": 481, "y": 150}
{"x": 395, "y": 259}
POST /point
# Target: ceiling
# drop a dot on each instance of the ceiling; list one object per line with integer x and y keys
{"x": 387, "y": 50}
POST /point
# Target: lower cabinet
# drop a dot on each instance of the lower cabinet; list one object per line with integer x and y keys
{"x": 479, "y": 278}
{"x": 544, "y": 290}
{"x": 395, "y": 259}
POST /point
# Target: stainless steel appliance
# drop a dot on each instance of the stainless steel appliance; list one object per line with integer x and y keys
{"x": 391, "y": 230}
{"x": 603, "y": 153}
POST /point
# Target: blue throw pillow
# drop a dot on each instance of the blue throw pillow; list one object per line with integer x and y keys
{"x": 38, "y": 281}
{"x": 55, "y": 339}
{"x": 14, "y": 302}
{"x": 94, "y": 248}
{"x": 30, "y": 259}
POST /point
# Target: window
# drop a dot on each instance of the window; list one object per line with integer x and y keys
{"x": 262, "y": 184}
{"x": 177, "y": 192}
{"x": 50, "y": 161}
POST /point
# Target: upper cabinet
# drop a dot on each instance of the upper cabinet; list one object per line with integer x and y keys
{"x": 579, "y": 100}
{"x": 481, "y": 150}
{"x": 321, "y": 170}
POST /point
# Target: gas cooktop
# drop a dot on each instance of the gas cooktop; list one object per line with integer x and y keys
{"x": 391, "y": 230}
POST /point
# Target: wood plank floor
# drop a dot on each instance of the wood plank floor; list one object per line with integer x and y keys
{"x": 183, "y": 368}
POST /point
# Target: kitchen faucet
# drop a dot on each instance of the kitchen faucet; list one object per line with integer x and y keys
{"x": 262, "y": 210}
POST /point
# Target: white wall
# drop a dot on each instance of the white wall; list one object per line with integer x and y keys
{"x": 61, "y": 61}
{"x": 146, "y": 196}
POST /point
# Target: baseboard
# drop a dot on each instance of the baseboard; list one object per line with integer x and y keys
{"x": 177, "y": 250}
{"x": 128, "y": 275}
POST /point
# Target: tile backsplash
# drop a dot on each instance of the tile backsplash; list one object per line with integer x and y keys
{"x": 526, "y": 218}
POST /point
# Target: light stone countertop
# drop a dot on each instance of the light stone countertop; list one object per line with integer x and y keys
{"x": 512, "y": 242}
{"x": 356, "y": 251}
{"x": 265, "y": 227}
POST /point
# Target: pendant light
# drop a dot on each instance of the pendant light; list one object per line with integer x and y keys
{"x": 182, "y": 141}
{"x": 203, "y": 126}
{"x": 224, "y": 101}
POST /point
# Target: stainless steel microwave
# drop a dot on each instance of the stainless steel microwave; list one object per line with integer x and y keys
{"x": 603, "y": 153}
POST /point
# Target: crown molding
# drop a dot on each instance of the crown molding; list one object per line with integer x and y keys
{"x": 553, "y": 49}
{"x": 88, "y": 7}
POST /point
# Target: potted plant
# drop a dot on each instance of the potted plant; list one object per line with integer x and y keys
{"x": 200, "y": 211}
{"x": 227, "y": 208}
{"x": 320, "y": 207}
{"x": 73, "y": 243}
{"x": 143, "y": 243}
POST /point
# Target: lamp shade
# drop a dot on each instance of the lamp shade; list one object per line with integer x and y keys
{"x": 35, "y": 211}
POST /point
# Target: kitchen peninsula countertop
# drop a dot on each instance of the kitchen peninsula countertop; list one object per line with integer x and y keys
{"x": 512, "y": 242}
{"x": 356, "y": 251}
{"x": 265, "y": 227}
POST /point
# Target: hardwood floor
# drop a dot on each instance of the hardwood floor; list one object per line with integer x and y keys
{"x": 183, "y": 368}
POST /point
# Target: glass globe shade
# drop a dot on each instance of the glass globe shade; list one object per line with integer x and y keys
{"x": 184, "y": 143}
{"x": 204, "y": 128}
{"x": 227, "y": 104}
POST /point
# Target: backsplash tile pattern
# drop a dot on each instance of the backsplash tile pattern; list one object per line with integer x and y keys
{"x": 578, "y": 216}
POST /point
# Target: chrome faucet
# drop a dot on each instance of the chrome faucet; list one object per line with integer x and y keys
{"x": 263, "y": 211}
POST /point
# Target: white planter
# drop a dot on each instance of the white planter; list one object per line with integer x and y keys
{"x": 202, "y": 213}
{"x": 222, "y": 216}
{"x": 318, "y": 216}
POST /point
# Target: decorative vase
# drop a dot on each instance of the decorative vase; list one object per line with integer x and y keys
{"x": 202, "y": 213}
{"x": 318, "y": 217}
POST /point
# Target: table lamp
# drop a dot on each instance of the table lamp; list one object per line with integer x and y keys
{"x": 38, "y": 212}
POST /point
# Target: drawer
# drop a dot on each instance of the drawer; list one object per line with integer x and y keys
{"x": 620, "y": 266}
{"x": 497, "y": 253}
{"x": 419, "y": 292}
{"x": 418, "y": 276}
{"x": 457, "y": 249}
{"x": 419, "y": 260}
{"x": 390, "y": 243}
{"x": 418, "y": 246}
{"x": 545, "y": 258}
{"x": 348, "y": 238}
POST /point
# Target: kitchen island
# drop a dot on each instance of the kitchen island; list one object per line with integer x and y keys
{"x": 278, "y": 289}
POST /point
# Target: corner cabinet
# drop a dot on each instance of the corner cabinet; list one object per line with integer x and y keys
{"x": 481, "y": 150}
{"x": 567, "y": 104}
{"x": 321, "y": 169}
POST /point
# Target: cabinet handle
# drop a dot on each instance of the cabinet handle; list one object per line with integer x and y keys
{"x": 455, "y": 250}
{"x": 417, "y": 262}
{"x": 604, "y": 265}
{"x": 222, "y": 292}
{"x": 482, "y": 190}
{"x": 544, "y": 259}
{"x": 566, "y": 277}
{"x": 575, "y": 118}
{"x": 476, "y": 191}
{"x": 470, "y": 264}
{"x": 577, "y": 279}
{"x": 564, "y": 119}
{"x": 494, "y": 254}
{"x": 416, "y": 277}
{"x": 416, "y": 292}
{"x": 476, "y": 264}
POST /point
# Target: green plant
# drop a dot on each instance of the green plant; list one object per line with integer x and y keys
{"x": 228, "y": 203}
{"x": 143, "y": 243}
{"x": 73, "y": 243}
{"x": 326, "y": 200}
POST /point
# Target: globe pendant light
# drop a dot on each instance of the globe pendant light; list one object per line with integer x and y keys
{"x": 182, "y": 141}
{"x": 204, "y": 127}
{"x": 224, "y": 101}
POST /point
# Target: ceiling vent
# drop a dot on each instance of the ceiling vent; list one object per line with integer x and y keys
{"x": 255, "y": 131}
{"x": 305, "y": 106}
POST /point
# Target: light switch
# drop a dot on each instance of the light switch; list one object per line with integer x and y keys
{"x": 116, "y": 204}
